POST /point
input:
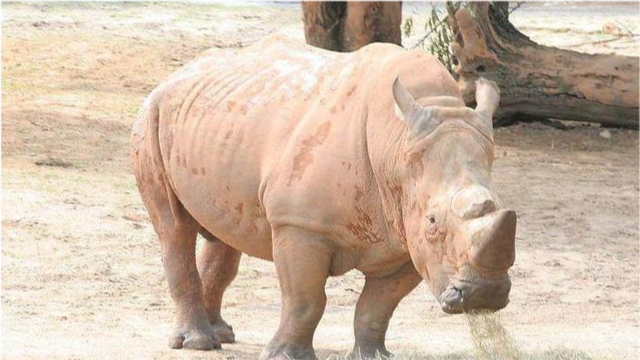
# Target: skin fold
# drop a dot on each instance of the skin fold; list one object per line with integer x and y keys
{"x": 321, "y": 162}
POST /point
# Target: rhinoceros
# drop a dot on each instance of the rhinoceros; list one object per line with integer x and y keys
{"x": 322, "y": 162}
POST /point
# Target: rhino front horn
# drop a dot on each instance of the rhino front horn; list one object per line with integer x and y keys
{"x": 492, "y": 240}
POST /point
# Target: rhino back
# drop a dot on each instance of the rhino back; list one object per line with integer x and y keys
{"x": 226, "y": 122}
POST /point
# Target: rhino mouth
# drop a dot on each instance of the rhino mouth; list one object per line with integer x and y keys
{"x": 461, "y": 296}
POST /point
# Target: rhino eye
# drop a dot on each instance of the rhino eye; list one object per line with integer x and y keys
{"x": 431, "y": 225}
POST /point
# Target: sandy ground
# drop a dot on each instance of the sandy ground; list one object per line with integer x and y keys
{"x": 81, "y": 270}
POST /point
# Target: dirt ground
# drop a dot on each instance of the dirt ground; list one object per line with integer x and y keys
{"x": 81, "y": 269}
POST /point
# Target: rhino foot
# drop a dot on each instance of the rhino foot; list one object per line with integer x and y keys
{"x": 287, "y": 352}
{"x": 370, "y": 352}
{"x": 223, "y": 332}
{"x": 196, "y": 339}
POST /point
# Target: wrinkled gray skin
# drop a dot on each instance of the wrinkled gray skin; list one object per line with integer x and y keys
{"x": 322, "y": 163}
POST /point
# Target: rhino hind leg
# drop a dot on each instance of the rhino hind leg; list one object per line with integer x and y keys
{"x": 218, "y": 266}
{"x": 379, "y": 299}
{"x": 303, "y": 263}
{"x": 177, "y": 232}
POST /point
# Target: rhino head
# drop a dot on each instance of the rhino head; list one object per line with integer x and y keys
{"x": 459, "y": 236}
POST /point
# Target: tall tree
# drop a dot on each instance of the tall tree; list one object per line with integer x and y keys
{"x": 348, "y": 26}
{"x": 536, "y": 80}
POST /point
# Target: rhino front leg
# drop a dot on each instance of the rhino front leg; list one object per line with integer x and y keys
{"x": 218, "y": 265}
{"x": 302, "y": 262}
{"x": 377, "y": 302}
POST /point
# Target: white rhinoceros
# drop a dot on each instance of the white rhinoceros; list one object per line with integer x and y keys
{"x": 322, "y": 163}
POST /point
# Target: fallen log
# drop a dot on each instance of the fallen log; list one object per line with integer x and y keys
{"x": 540, "y": 81}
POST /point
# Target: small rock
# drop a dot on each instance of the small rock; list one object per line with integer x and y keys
{"x": 553, "y": 263}
{"x": 606, "y": 134}
{"x": 71, "y": 201}
{"x": 137, "y": 226}
{"x": 40, "y": 24}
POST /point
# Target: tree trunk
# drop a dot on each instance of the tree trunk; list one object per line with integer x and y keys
{"x": 348, "y": 26}
{"x": 540, "y": 81}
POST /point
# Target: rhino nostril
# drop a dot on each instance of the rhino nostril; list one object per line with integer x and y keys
{"x": 452, "y": 296}
{"x": 451, "y": 300}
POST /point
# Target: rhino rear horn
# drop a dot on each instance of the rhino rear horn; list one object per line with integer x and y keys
{"x": 421, "y": 120}
{"x": 488, "y": 99}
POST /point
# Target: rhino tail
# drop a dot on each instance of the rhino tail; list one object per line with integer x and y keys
{"x": 144, "y": 144}
{"x": 147, "y": 160}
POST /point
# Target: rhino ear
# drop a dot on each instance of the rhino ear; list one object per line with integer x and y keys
{"x": 420, "y": 119}
{"x": 488, "y": 99}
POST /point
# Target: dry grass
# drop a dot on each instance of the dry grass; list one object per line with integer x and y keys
{"x": 492, "y": 341}
{"x": 550, "y": 354}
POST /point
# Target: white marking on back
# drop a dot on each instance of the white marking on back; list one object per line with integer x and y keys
{"x": 285, "y": 67}
{"x": 316, "y": 63}
{"x": 305, "y": 67}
